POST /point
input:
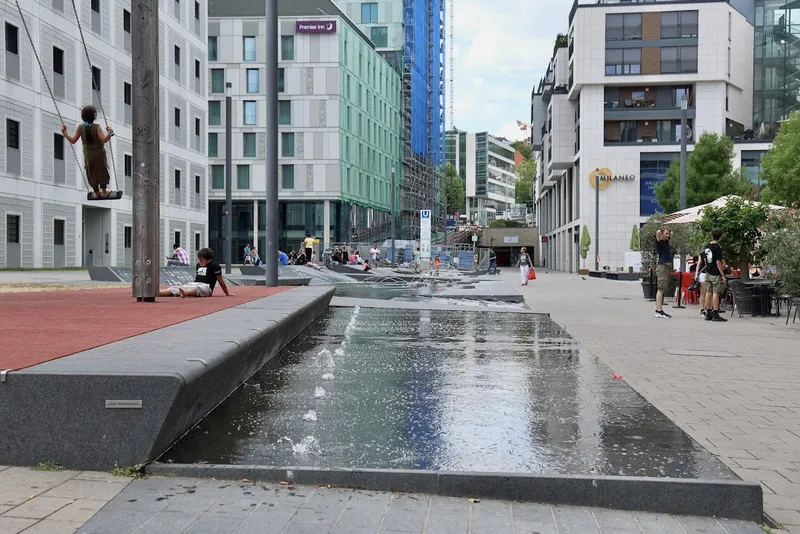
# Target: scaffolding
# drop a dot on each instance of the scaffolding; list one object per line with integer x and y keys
{"x": 423, "y": 119}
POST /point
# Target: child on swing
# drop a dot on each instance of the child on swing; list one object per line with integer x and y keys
{"x": 94, "y": 152}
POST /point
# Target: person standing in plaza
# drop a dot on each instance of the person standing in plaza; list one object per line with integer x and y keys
{"x": 308, "y": 244}
{"x": 375, "y": 252}
{"x": 663, "y": 269}
{"x": 715, "y": 277}
{"x": 524, "y": 264}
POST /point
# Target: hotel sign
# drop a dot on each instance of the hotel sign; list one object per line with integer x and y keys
{"x": 606, "y": 177}
{"x": 315, "y": 26}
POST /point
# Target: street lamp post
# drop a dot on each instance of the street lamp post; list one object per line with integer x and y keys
{"x": 271, "y": 140}
{"x": 393, "y": 215}
{"x": 228, "y": 255}
{"x": 597, "y": 220}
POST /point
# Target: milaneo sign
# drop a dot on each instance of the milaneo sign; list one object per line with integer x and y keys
{"x": 316, "y": 26}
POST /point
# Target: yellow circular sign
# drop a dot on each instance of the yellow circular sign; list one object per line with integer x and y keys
{"x": 604, "y": 174}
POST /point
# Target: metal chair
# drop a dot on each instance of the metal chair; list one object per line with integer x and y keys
{"x": 741, "y": 296}
{"x": 793, "y": 303}
{"x": 779, "y": 295}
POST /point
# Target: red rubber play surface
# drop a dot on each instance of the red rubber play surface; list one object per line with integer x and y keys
{"x": 38, "y": 327}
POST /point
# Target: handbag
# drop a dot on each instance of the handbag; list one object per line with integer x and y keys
{"x": 531, "y": 274}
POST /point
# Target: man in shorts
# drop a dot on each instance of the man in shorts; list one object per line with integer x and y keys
{"x": 663, "y": 269}
{"x": 715, "y": 277}
{"x": 209, "y": 273}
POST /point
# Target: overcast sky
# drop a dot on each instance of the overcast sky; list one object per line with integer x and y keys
{"x": 501, "y": 51}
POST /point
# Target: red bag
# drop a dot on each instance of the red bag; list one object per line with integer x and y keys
{"x": 531, "y": 274}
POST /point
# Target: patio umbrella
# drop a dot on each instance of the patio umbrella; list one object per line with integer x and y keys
{"x": 691, "y": 215}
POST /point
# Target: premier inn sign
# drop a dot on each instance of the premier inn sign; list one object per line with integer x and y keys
{"x": 315, "y": 26}
{"x": 606, "y": 177}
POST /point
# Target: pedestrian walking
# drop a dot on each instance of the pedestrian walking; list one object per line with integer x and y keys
{"x": 524, "y": 265}
{"x": 716, "y": 281}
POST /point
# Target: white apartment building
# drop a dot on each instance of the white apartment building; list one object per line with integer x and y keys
{"x": 45, "y": 219}
{"x": 610, "y": 103}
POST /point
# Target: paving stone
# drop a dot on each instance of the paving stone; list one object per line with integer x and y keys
{"x": 732, "y": 526}
{"x": 169, "y": 522}
{"x": 448, "y": 515}
{"x": 268, "y": 520}
{"x": 87, "y": 489}
{"x": 489, "y": 517}
{"x": 323, "y": 508}
{"x": 38, "y": 508}
{"x": 212, "y": 524}
{"x": 12, "y": 525}
{"x": 116, "y": 521}
{"x": 574, "y": 519}
{"x": 52, "y": 526}
{"x": 363, "y": 513}
{"x": 100, "y": 476}
{"x": 80, "y": 510}
{"x": 616, "y": 521}
{"x": 406, "y": 513}
{"x": 656, "y": 523}
{"x": 785, "y": 517}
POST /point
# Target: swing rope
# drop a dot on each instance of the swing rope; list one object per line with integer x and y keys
{"x": 95, "y": 86}
{"x": 50, "y": 90}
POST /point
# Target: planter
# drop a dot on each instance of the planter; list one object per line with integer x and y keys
{"x": 583, "y": 272}
{"x": 649, "y": 289}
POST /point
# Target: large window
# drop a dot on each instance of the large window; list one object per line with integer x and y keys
{"x": 213, "y": 145}
{"x": 628, "y": 132}
{"x": 215, "y": 113}
{"x": 252, "y": 81}
{"x": 212, "y": 48}
{"x": 622, "y": 61}
{"x": 678, "y": 93}
{"x": 249, "y": 145}
{"x": 287, "y": 47}
{"x": 249, "y": 112}
{"x": 369, "y": 13}
{"x": 281, "y": 81}
{"x": 12, "y": 134}
{"x": 58, "y": 60}
{"x": 243, "y": 177}
{"x": 678, "y": 59}
{"x": 287, "y": 145}
{"x": 217, "y": 177}
{"x": 627, "y": 27}
{"x": 248, "y": 48}
{"x": 217, "y": 80}
{"x": 287, "y": 176}
{"x": 677, "y": 24}
{"x": 380, "y": 36}
{"x": 285, "y": 112}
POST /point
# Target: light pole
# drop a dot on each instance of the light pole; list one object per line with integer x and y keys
{"x": 597, "y": 220}
{"x": 684, "y": 128}
{"x": 271, "y": 140}
{"x": 394, "y": 217}
{"x": 229, "y": 175}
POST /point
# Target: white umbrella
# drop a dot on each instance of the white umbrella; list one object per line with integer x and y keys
{"x": 691, "y": 215}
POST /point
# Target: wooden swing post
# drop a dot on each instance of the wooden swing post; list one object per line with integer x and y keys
{"x": 146, "y": 151}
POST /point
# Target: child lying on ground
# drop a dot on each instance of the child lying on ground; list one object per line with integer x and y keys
{"x": 208, "y": 274}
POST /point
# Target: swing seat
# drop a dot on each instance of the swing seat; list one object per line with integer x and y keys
{"x": 114, "y": 195}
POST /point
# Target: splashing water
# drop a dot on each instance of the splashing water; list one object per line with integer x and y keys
{"x": 339, "y": 352}
{"x": 309, "y": 445}
{"x": 311, "y": 416}
{"x": 324, "y": 359}
{"x": 328, "y": 376}
{"x": 319, "y": 392}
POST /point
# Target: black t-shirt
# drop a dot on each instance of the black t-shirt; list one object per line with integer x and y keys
{"x": 208, "y": 274}
{"x": 711, "y": 253}
{"x": 663, "y": 252}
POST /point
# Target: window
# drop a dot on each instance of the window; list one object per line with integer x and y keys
{"x": 287, "y": 176}
{"x": 729, "y": 62}
{"x": 197, "y": 10}
{"x": 621, "y": 61}
{"x": 249, "y": 112}
{"x": 177, "y": 54}
{"x": 128, "y": 238}
{"x": 96, "y": 6}
{"x": 197, "y": 68}
{"x": 12, "y": 134}
{"x": 217, "y": 80}
{"x": 197, "y": 241}
{"x": 281, "y": 81}
{"x": 627, "y": 27}
{"x": 212, "y": 48}
{"x": 287, "y": 47}
{"x": 369, "y": 13}
{"x": 177, "y": 238}
{"x": 727, "y": 95}
{"x": 628, "y": 132}
{"x": 730, "y": 25}
{"x": 126, "y": 21}
{"x": 197, "y": 126}
{"x": 215, "y": 113}
{"x": 58, "y": 60}
{"x": 249, "y": 145}
{"x": 217, "y": 177}
{"x": 127, "y": 90}
{"x": 58, "y": 232}
{"x": 12, "y": 229}
{"x": 677, "y": 95}
{"x": 177, "y": 179}
{"x": 128, "y": 165}
{"x": 243, "y": 177}
{"x": 177, "y": 114}
{"x": 197, "y": 184}
{"x": 287, "y": 145}
{"x": 96, "y": 79}
{"x": 380, "y": 36}
{"x": 213, "y": 145}
{"x": 58, "y": 147}
{"x": 678, "y": 59}
{"x": 285, "y": 112}
{"x": 678, "y": 24}
{"x": 252, "y": 80}
{"x": 249, "y": 48}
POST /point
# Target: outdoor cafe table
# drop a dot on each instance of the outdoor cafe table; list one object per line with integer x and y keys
{"x": 762, "y": 295}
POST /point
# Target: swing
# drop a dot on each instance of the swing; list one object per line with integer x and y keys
{"x": 115, "y": 194}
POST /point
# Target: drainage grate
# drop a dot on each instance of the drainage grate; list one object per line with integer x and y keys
{"x": 702, "y": 353}
{"x": 616, "y": 298}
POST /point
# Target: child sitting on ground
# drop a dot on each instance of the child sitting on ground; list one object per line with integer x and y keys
{"x": 208, "y": 274}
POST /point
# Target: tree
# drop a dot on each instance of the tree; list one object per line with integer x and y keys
{"x": 453, "y": 189}
{"x": 741, "y": 223}
{"x": 682, "y": 240}
{"x": 780, "y": 166}
{"x": 781, "y": 244}
{"x": 505, "y": 223}
{"x": 562, "y": 41}
{"x": 526, "y": 174}
{"x": 709, "y": 175}
{"x": 523, "y": 148}
{"x": 635, "y": 237}
{"x": 586, "y": 242}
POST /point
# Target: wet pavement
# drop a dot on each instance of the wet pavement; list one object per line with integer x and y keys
{"x": 463, "y": 391}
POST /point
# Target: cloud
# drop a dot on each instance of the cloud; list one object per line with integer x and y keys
{"x": 501, "y": 52}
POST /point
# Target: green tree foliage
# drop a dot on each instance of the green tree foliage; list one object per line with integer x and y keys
{"x": 741, "y": 223}
{"x": 453, "y": 189}
{"x": 505, "y": 223}
{"x": 562, "y": 41}
{"x": 524, "y": 149}
{"x": 780, "y": 167}
{"x": 635, "y": 237}
{"x": 526, "y": 174}
{"x": 586, "y": 243}
{"x": 709, "y": 175}
{"x": 781, "y": 244}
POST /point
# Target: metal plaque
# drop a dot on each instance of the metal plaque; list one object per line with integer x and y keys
{"x": 124, "y": 404}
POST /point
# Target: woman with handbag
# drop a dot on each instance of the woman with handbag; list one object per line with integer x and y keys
{"x": 524, "y": 264}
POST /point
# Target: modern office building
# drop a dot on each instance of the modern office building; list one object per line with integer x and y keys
{"x": 339, "y": 125}
{"x": 609, "y": 105}
{"x": 410, "y": 34}
{"x": 45, "y": 218}
{"x": 487, "y": 167}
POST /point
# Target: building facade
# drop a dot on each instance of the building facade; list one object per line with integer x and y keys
{"x": 610, "y": 106}
{"x": 339, "y": 124}
{"x": 487, "y": 167}
{"x": 45, "y": 219}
